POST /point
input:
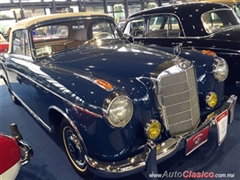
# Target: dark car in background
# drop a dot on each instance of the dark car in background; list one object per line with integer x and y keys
{"x": 196, "y": 25}
{"x": 120, "y": 108}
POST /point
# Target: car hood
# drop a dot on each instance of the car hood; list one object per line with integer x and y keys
{"x": 123, "y": 66}
{"x": 119, "y": 65}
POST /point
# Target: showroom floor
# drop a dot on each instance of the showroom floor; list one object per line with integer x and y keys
{"x": 50, "y": 162}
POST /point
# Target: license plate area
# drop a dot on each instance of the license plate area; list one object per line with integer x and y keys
{"x": 222, "y": 124}
{"x": 197, "y": 140}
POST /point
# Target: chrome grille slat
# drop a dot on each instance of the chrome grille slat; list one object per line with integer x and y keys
{"x": 178, "y": 98}
{"x": 180, "y": 122}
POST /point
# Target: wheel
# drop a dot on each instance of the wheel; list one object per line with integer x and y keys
{"x": 74, "y": 150}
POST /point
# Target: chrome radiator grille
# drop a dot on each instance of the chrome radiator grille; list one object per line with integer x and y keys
{"x": 179, "y": 100}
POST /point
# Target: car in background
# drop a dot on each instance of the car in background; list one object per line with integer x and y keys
{"x": 14, "y": 153}
{"x": 196, "y": 25}
{"x": 235, "y": 4}
{"x": 120, "y": 108}
{"x": 3, "y": 44}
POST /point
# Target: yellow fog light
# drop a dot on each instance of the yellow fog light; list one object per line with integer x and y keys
{"x": 211, "y": 99}
{"x": 152, "y": 129}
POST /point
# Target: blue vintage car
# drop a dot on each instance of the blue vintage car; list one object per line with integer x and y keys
{"x": 120, "y": 108}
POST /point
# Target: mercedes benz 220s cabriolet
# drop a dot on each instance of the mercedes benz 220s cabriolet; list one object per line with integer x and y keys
{"x": 121, "y": 108}
{"x": 197, "y": 25}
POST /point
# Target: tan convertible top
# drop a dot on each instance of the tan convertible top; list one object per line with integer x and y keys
{"x": 23, "y": 24}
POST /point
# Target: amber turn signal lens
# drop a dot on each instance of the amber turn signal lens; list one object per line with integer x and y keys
{"x": 208, "y": 52}
{"x": 104, "y": 84}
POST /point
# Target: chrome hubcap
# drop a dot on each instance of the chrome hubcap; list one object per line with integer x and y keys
{"x": 74, "y": 148}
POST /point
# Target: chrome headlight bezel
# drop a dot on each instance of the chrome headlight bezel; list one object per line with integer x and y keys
{"x": 220, "y": 69}
{"x": 110, "y": 101}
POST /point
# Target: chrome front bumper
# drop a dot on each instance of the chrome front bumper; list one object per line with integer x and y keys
{"x": 152, "y": 153}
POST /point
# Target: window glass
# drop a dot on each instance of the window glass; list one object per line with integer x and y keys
{"x": 163, "y": 26}
{"x": 103, "y": 30}
{"x": 73, "y": 34}
{"x": 115, "y": 31}
{"x": 214, "y": 20}
{"x": 135, "y": 27}
{"x": 50, "y": 32}
{"x": 155, "y": 23}
{"x": 20, "y": 43}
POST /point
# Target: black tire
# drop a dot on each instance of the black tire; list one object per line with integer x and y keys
{"x": 74, "y": 153}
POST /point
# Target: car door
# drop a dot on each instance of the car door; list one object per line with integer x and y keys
{"x": 16, "y": 66}
{"x": 162, "y": 29}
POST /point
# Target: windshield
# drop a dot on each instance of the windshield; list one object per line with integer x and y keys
{"x": 64, "y": 36}
{"x": 219, "y": 19}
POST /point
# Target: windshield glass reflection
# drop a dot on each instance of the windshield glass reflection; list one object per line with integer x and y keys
{"x": 219, "y": 19}
{"x": 64, "y": 36}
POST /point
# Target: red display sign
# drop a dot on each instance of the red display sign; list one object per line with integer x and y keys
{"x": 197, "y": 140}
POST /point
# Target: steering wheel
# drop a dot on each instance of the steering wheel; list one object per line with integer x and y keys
{"x": 137, "y": 31}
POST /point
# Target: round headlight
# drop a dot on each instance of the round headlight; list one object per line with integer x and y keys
{"x": 119, "y": 109}
{"x": 220, "y": 69}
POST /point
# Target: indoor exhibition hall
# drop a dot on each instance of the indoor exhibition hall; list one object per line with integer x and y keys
{"x": 123, "y": 90}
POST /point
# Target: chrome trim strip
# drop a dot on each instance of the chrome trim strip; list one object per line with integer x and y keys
{"x": 181, "y": 111}
{"x": 69, "y": 102}
{"x": 93, "y": 80}
{"x": 31, "y": 112}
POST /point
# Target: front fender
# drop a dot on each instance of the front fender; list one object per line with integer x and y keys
{"x": 116, "y": 143}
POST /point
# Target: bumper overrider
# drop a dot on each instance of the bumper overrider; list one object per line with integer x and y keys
{"x": 154, "y": 154}
{"x": 26, "y": 149}
{"x": 27, "y": 152}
